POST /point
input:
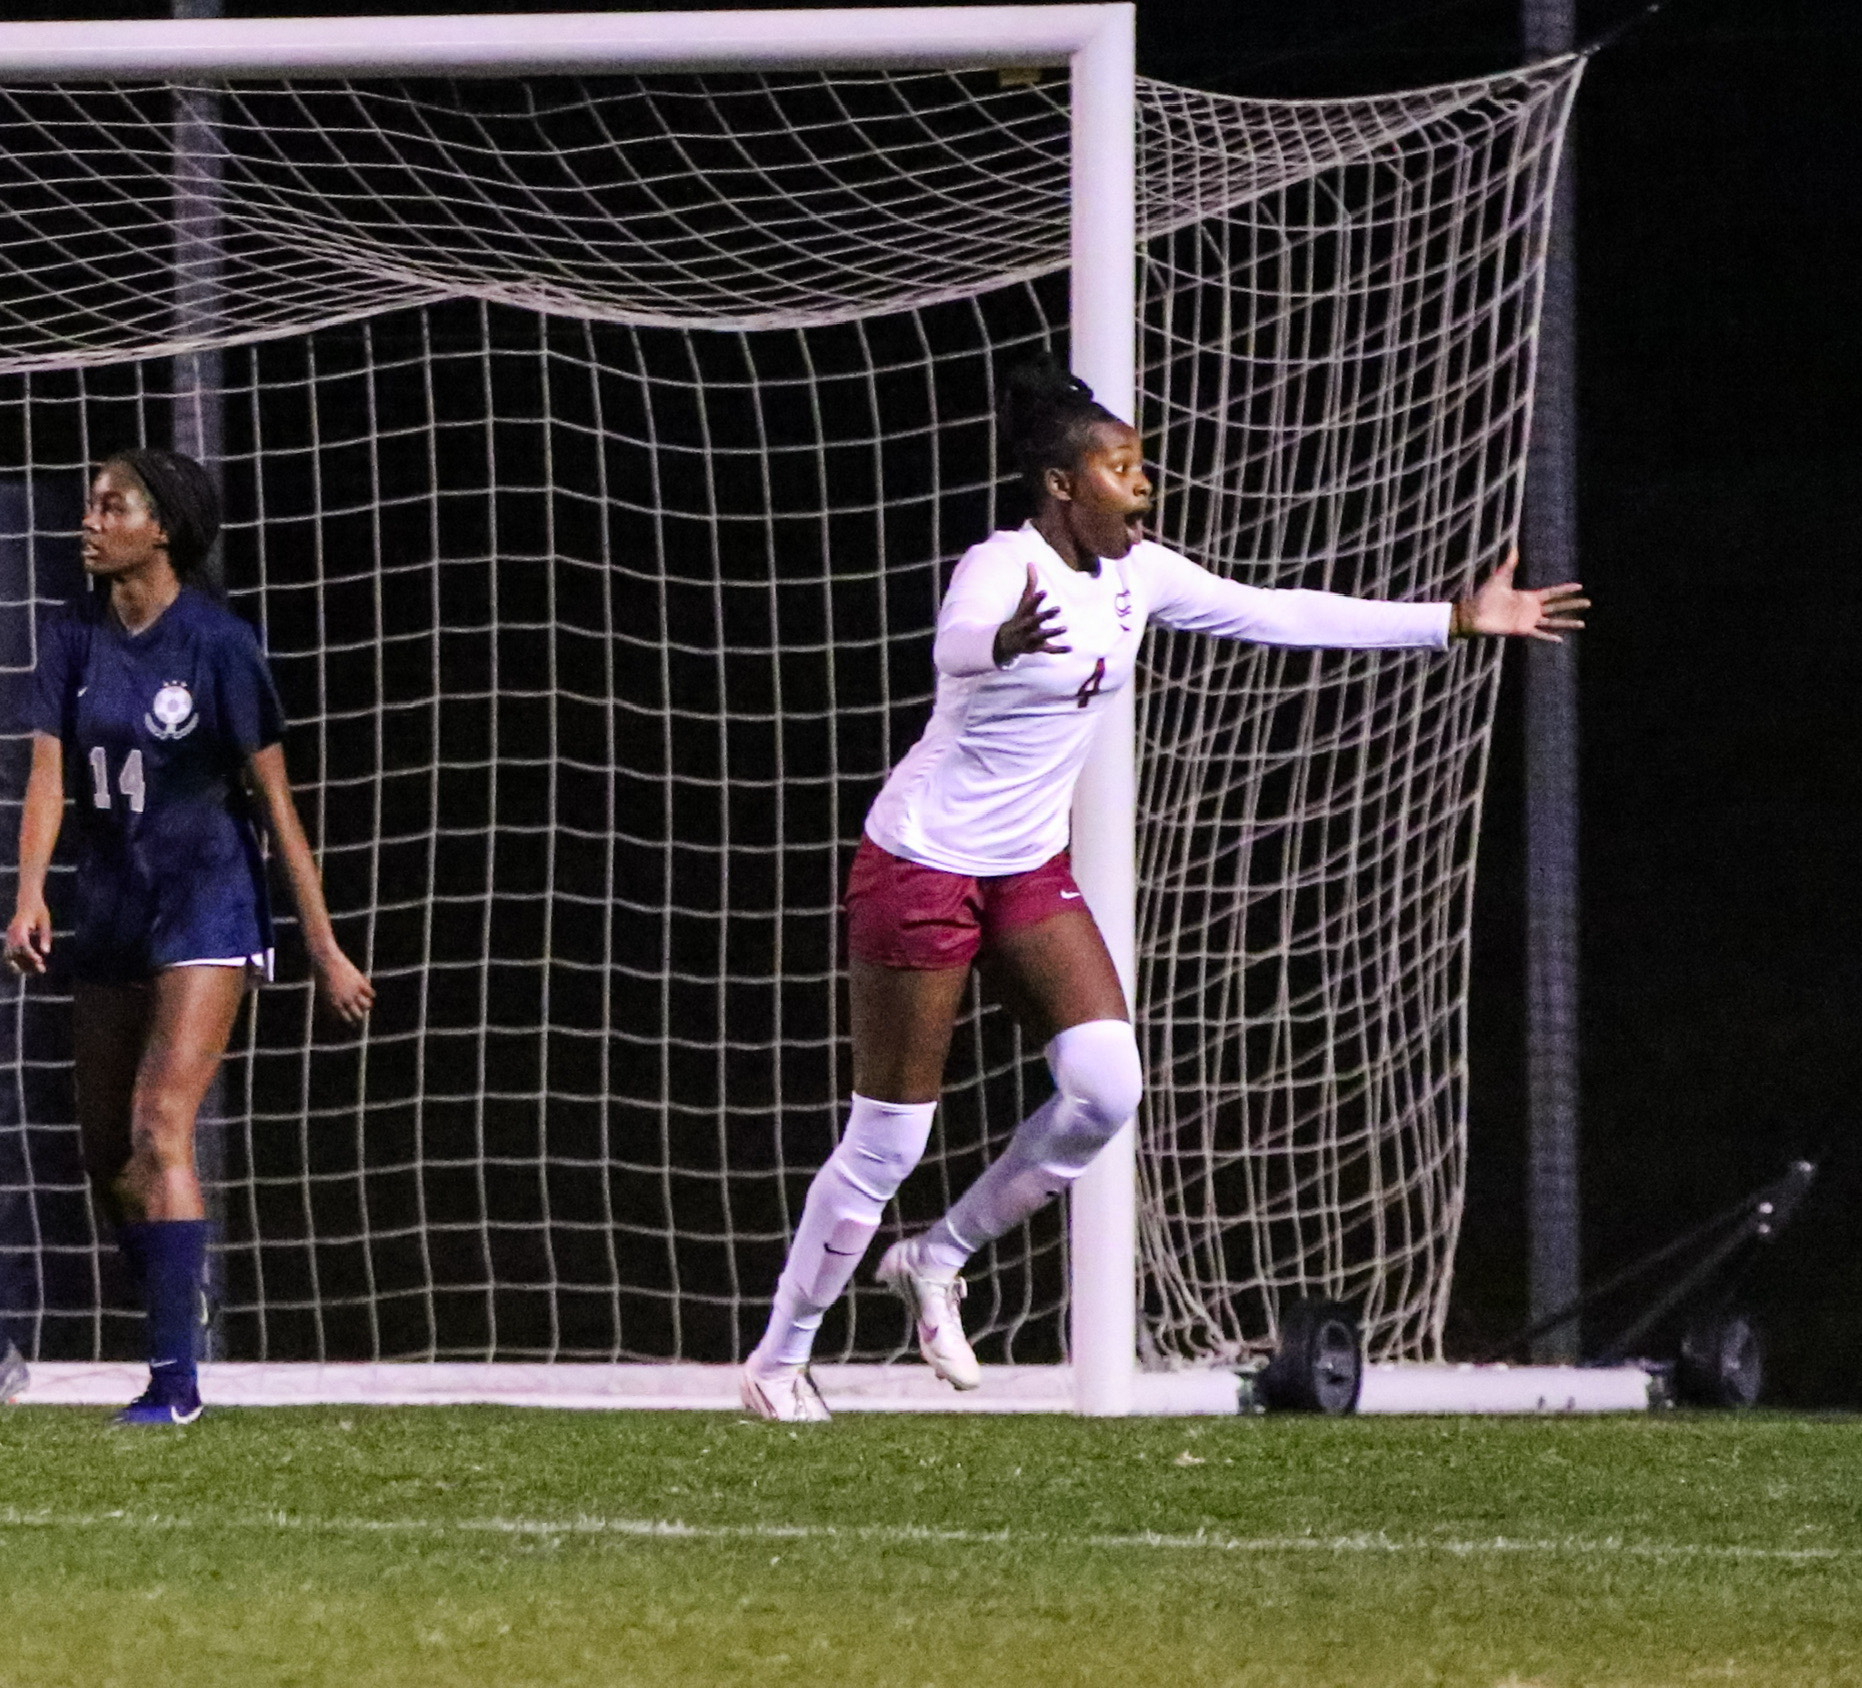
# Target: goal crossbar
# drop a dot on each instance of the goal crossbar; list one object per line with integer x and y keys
{"x": 559, "y": 43}
{"x": 1096, "y": 45}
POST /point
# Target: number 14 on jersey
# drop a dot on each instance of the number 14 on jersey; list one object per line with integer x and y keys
{"x": 129, "y": 782}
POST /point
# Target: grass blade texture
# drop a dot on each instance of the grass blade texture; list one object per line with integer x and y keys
{"x": 450, "y": 1545}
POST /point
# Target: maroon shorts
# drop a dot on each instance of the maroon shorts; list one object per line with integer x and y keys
{"x": 902, "y": 914}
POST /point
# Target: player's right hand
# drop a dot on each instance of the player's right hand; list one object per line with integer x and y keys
{"x": 345, "y": 987}
{"x": 1031, "y": 628}
{"x": 29, "y": 938}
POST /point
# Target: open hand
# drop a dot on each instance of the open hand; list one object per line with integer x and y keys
{"x": 1501, "y": 609}
{"x": 1031, "y": 628}
{"x": 345, "y": 987}
{"x": 29, "y": 939}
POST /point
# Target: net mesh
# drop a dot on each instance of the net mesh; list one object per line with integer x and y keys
{"x": 595, "y": 453}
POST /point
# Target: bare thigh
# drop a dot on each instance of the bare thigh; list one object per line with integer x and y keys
{"x": 902, "y": 1021}
{"x": 1055, "y": 975}
{"x": 191, "y": 1015}
{"x": 1049, "y": 977}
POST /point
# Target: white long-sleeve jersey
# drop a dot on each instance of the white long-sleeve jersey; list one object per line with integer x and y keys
{"x": 988, "y": 788}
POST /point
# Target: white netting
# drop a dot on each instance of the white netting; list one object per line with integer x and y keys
{"x": 594, "y": 455}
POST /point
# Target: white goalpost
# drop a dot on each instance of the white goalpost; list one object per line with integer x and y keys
{"x": 604, "y": 399}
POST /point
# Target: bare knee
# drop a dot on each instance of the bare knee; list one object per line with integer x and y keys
{"x": 159, "y": 1179}
{"x": 161, "y": 1132}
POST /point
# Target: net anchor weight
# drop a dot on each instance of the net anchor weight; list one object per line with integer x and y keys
{"x": 1721, "y": 1363}
{"x": 1319, "y": 1364}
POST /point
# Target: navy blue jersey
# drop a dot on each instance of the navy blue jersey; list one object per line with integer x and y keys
{"x": 157, "y": 727}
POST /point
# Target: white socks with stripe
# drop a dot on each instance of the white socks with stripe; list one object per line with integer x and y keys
{"x": 882, "y": 1143}
{"x": 1099, "y": 1082}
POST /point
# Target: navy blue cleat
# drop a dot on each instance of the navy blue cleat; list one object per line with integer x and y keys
{"x": 165, "y": 1401}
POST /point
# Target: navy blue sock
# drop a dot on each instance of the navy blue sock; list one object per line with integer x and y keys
{"x": 173, "y": 1256}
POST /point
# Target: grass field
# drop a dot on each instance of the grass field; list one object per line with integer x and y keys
{"x": 484, "y": 1545}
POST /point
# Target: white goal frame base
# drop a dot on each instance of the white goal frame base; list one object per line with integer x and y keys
{"x": 905, "y": 1388}
{"x": 1403, "y": 1388}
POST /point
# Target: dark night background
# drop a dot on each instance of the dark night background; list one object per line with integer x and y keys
{"x": 1719, "y": 157}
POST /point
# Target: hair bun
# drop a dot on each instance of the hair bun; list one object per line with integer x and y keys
{"x": 1043, "y": 380}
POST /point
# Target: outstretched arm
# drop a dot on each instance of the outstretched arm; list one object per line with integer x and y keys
{"x": 29, "y": 933}
{"x": 342, "y": 983}
{"x": 1499, "y": 608}
{"x": 1191, "y": 598}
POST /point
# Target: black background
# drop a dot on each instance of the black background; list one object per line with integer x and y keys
{"x": 1719, "y": 156}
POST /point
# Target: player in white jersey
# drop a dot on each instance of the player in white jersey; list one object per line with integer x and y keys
{"x": 965, "y": 853}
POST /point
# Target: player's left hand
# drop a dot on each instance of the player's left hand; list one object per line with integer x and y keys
{"x": 345, "y": 987}
{"x": 1501, "y": 609}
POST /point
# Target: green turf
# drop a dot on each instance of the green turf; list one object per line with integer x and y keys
{"x": 479, "y": 1545}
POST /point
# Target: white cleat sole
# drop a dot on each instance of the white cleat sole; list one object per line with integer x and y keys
{"x": 932, "y": 1303}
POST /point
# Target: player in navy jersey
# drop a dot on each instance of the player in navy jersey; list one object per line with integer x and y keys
{"x": 154, "y": 710}
{"x": 966, "y": 854}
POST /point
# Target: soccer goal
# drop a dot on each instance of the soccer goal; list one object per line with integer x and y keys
{"x": 601, "y": 402}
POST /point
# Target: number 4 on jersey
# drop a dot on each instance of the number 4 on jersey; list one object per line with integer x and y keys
{"x": 129, "y": 782}
{"x": 1089, "y": 687}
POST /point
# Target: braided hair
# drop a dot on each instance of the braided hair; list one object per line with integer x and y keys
{"x": 1047, "y": 421}
{"x": 182, "y": 498}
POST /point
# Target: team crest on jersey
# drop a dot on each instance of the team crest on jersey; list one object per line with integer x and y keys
{"x": 1121, "y": 607}
{"x": 172, "y": 715}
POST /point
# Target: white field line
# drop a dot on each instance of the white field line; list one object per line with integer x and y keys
{"x": 658, "y": 1529}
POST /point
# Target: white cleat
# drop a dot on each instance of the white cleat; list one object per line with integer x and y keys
{"x": 788, "y": 1396}
{"x": 934, "y": 1299}
{"x": 14, "y": 1377}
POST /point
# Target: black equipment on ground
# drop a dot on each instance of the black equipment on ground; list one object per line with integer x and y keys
{"x": 1720, "y": 1361}
{"x": 1319, "y": 1364}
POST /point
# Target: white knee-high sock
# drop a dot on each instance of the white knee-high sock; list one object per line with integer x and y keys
{"x": 1099, "y": 1082}
{"x": 882, "y": 1143}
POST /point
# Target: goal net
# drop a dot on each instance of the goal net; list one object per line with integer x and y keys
{"x": 595, "y": 452}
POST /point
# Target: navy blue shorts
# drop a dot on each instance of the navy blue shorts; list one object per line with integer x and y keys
{"x": 128, "y": 927}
